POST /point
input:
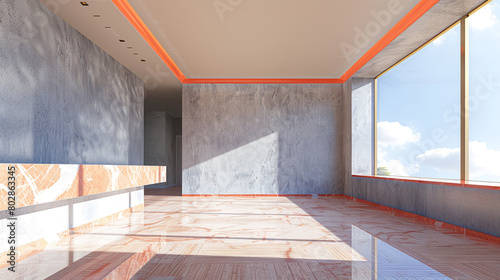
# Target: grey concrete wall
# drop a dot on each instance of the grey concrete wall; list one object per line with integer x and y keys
{"x": 178, "y": 126}
{"x": 363, "y": 134}
{"x": 63, "y": 100}
{"x": 347, "y": 136}
{"x": 155, "y": 138}
{"x": 262, "y": 139}
{"x": 159, "y": 142}
{"x": 476, "y": 209}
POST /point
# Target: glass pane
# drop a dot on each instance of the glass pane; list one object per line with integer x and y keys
{"x": 484, "y": 94}
{"x": 418, "y": 129}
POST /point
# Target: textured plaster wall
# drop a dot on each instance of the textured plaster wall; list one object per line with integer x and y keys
{"x": 362, "y": 126}
{"x": 347, "y": 136}
{"x": 63, "y": 100}
{"x": 262, "y": 139}
{"x": 159, "y": 142}
{"x": 155, "y": 138}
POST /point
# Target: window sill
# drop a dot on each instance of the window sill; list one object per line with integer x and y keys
{"x": 454, "y": 183}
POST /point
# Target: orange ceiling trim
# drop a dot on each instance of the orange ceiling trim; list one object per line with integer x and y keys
{"x": 263, "y": 81}
{"x": 419, "y": 10}
{"x": 136, "y": 21}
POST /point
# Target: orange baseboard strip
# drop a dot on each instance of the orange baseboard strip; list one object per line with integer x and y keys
{"x": 248, "y": 195}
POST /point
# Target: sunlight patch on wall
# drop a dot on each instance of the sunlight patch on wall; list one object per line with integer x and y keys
{"x": 255, "y": 165}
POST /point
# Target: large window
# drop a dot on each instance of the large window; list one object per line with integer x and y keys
{"x": 418, "y": 104}
{"x": 484, "y": 94}
{"x": 419, "y": 112}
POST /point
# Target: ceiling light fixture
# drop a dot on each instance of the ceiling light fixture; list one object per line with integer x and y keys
{"x": 97, "y": 15}
{"x": 84, "y": 3}
{"x": 121, "y": 40}
{"x": 143, "y": 60}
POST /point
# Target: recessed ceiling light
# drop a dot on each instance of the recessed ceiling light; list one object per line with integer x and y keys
{"x": 107, "y": 27}
{"x": 97, "y": 15}
{"x": 121, "y": 40}
{"x": 84, "y": 3}
{"x": 135, "y": 53}
{"x": 129, "y": 47}
{"x": 143, "y": 60}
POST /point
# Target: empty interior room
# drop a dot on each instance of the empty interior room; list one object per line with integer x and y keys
{"x": 233, "y": 139}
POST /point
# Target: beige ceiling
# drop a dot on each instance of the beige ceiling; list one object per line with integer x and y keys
{"x": 253, "y": 38}
{"x": 268, "y": 38}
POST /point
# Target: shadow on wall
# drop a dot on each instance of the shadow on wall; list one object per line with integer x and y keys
{"x": 248, "y": 139}
{"x": 159, "y": 142}
{"x": 64, "y": 100}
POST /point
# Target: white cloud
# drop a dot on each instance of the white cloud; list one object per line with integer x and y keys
{"x": 439, "y": 40}
{"x": 484, "y": 18}
{"x": 393, "y": 134}
{"x": 483, "y": 162}
{"x": 442, "y": 159}
{"x": 394, "y": 166}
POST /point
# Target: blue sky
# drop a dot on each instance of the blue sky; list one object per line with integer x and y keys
{"x": 419, "y": 101}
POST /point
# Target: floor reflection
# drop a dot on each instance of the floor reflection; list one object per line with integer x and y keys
{"x": 382, "y": 261}
{"x": 262, "y": 238}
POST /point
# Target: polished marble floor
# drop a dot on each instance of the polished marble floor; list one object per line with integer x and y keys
{"x": 262, "y": 238}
